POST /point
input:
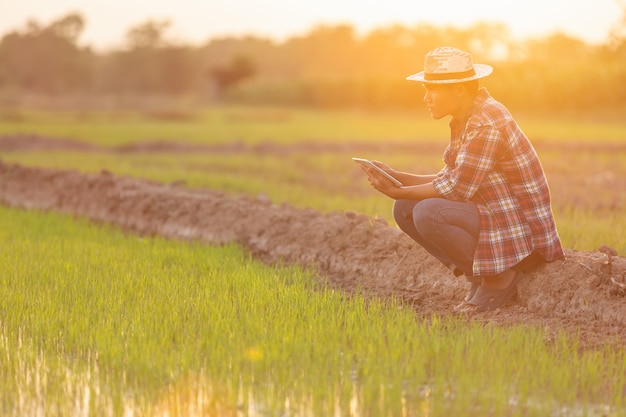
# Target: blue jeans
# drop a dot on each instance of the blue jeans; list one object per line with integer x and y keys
{"x": 447, "y": 229}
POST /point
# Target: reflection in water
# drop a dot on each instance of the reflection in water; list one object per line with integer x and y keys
{"x": 32, "y": 385}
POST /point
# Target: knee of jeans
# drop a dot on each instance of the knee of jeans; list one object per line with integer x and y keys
{"x": 426, "y": 215}
{"x": 402, "y": 210}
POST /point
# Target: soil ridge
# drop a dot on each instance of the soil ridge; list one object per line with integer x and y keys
{"x": 583, "y": 294}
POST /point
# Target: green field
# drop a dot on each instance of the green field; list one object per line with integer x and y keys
{"x": 97, "y": 322}
{"x": 253, "y": 125}
{"x": 303, "y": 157}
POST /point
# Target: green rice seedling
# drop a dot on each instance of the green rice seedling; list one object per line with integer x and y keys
{"x": 586, "y": 230}
{"x": 258, "y": 124}
{"x": 98, "y": 322}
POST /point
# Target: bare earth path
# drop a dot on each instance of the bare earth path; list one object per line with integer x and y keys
{"x": 583, "y": 294}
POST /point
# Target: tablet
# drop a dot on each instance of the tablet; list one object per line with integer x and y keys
{"x": 377, "y": 168}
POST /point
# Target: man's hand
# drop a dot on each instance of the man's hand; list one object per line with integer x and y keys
{"x": 380, "y": 182}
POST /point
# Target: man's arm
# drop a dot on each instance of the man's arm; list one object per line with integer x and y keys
{"x": 416, "y": 187}
{"x": 413, "y": 179}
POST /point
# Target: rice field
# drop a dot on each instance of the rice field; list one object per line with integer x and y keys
{"x": 96, "y": 322}
{"x": 303, "y": 157}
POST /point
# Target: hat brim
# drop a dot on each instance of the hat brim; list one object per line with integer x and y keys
{"x": 481, "y": 70}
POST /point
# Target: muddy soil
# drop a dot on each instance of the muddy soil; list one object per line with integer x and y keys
{"x": 585, "y": 294}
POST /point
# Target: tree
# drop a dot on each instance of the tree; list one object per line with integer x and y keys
{"x": 151, "y": 64}
{"x": 46, "y": 59}
{"x": 69, "y": 27}
{"x": 150, "y": 34}
{"x": 226, "y": 77}
{"x": 617, "y": 37}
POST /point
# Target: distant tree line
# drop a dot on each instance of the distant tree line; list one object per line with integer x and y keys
{"x": 328, "y": 66}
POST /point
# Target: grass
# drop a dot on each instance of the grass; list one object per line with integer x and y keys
{"x": 97, "y": 322}
{"x": 259, "y": 124}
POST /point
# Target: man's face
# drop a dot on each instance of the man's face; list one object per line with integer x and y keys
{"x": 442, "y": 99}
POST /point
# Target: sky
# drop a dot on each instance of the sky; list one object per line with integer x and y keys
{"x": 196, "y": 21}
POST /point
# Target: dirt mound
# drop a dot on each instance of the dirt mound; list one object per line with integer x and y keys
{"x": 582, "y": 294}
{"x": 33, "y": 142}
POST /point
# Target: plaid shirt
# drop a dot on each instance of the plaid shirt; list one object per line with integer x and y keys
{"x": 491, "y": 162}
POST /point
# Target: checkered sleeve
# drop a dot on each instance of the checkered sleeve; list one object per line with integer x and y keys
{"x": 476, "y": 157}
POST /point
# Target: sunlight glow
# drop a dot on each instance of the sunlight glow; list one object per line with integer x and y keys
{"x": 199, "y": 20}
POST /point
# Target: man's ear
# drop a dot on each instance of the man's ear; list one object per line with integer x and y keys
{"x": 459, "y": 89}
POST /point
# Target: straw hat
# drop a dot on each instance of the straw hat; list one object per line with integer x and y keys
{"x": 446, "y": 65}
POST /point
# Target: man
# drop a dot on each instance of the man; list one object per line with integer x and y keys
{"x": 487, "y": 213}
